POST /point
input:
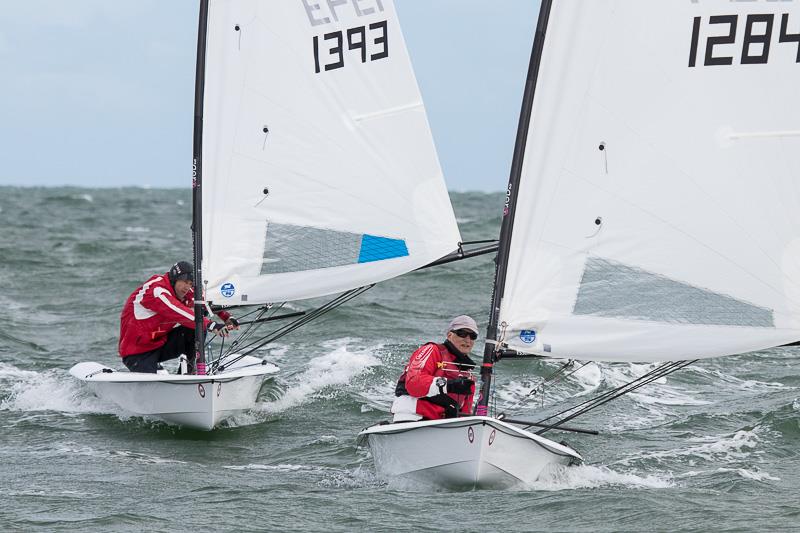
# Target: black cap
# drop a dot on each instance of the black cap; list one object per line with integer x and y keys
{"x": 181, "y": 270}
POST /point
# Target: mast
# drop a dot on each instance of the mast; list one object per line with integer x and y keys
{"x": 501, "y": 261}
{"x": 197, "y": 196}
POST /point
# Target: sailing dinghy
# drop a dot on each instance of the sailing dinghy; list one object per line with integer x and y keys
{"x": 652, "y": 213}
{"x": 195, "y": 401}
{"x": 315, "y": 173}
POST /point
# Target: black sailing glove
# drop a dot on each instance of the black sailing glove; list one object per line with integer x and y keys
{"x": 460, "y": 385}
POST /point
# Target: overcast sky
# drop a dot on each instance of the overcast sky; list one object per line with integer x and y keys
{"x": 100, "y": 93}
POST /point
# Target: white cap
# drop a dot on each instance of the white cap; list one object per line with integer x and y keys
{"x": 463, "y": 322}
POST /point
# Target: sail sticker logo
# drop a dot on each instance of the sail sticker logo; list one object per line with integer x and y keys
{"x": 227, "y": 289}
{"x": 527, "y": 335}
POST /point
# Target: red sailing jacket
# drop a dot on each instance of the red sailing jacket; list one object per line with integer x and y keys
{"x": 151, "y": 312}
{"x": 429, "y": 362}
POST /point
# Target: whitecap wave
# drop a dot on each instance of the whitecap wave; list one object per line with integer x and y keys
{"x": 350, "y": 479}
{"x": 713, "y": 448}
{"x": 652, "y": 402}
{"x": 378, "y": 397}
{"x": 280, "y": 467}
{"x": 745, "y": 384}
{"x": 51, "y": 390}
{"x": 589, "y": 476}
{"x": 335, "y": 368}
{"x": 73, "y": 449}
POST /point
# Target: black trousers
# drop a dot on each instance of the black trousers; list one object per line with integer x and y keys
{"x": 179, "y": 341}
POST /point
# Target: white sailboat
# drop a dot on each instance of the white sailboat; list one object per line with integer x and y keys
{"x": 194, "y": 401}
{"x": 315, "y": 173}
{"x": 653, "y": 210}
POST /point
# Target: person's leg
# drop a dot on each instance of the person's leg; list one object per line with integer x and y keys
{"x": 146, "y": 362}
{"x": 179, "y": 340}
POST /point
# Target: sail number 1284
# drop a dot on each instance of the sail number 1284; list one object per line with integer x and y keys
{"x": 758, "y": 30}
{"x": 364, "y": 42}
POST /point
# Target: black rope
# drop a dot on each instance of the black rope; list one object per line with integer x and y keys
{"x": 593, "y": 403}
{"x": 485, "y": 241}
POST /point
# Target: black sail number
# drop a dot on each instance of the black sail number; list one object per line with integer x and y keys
{"x": 756, "y": 41}
{"x": 365, "y": 42}
{"x": 723, "y": 39}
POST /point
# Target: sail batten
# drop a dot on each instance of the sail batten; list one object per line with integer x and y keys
{"x": 658, "y": 209}
{"x": 320, "y": 170}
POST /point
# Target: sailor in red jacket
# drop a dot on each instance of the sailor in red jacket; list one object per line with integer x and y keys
{"x": 157, "y": 322}
{"x": 437, "y": 382}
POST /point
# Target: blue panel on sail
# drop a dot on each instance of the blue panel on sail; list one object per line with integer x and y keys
{"x": 379, "y": 248}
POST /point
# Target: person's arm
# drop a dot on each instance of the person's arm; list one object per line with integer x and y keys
{"x": 466, "y": 408}
{"x": 166, "y": 305}
{"x": 420, "y": 377}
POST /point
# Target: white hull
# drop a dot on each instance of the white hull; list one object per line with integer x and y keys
{"x": 199, "y": 402}
{"x": 463, "y": 453}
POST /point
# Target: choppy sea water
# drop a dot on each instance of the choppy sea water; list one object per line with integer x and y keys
{"x": 711, "y": 448}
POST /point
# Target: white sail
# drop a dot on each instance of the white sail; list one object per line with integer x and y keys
{"x": 319, "y": 169}
{"x": 659, "y": 206}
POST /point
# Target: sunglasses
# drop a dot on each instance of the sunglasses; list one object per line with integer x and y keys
{"x": 463, "y": 333}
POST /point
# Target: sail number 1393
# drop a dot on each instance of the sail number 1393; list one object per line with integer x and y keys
{"x": 364, "y": 42}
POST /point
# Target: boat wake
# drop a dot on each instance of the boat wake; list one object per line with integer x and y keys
{"x": 323, "y": 476}
{"x": 590, "y": 477}
{"x": 714, "y": 449}
{"x": 738, "y": 453}
{"x": 338, "y": 367}
{"x": 52, "y": 390}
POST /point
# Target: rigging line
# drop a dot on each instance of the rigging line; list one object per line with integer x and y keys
{"x": 252, "y": 327}
{"x": 666, "y": 372}
{"x": 616, "y": 392}
{"x": 243, "y": 345}
{"x": 214, "y": 364}
{"x": 249, "y": 332}
{"x": 260, "y": 310}
{"x": 280, "y": 332}
{"x": 606, "y": 394}
{"x": 460, "y": 254}
{"x": 562, "y": 378}
{"x": 244, "y": 335}
{"x": 552, "y": 377}
{"x": 484, "y": 241}
{"x": 329, "y": 307}
{"x": 288, "y": 328}
{"x": 661, "y": 371}
{"x": 311, "y": 316}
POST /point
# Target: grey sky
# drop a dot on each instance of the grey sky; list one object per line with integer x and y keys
{"x": 100, "y": 92}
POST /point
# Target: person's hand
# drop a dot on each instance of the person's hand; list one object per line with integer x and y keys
{"x": 460, "y": 385}
{"x": 231, "y": 323}
{"x": 218, "y": 329}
